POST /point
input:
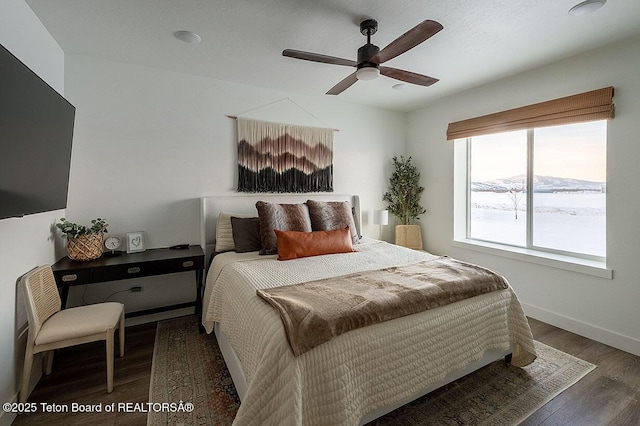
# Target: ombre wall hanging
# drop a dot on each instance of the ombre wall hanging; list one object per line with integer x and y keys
{"x": 274, "y": 157}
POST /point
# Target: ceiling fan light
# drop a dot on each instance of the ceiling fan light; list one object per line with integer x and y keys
{"x": 586, "y": 7}
{"x": 367, "y": 73}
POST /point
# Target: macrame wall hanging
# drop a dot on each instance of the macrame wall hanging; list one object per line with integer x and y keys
{"x": 274, "y": 157}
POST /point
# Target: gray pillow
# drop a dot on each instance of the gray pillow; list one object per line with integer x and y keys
{"x": 283, "y": 217}
{"x": 246, "y": 234}
{"x": 224, "y": 232}
{"x": 332, "y": 215}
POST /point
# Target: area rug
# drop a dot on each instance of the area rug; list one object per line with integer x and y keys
{"x": 188, "y": 367}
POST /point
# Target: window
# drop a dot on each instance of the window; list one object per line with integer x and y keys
{"x": 531, "y": 181}
{"x": 541, "y": 188}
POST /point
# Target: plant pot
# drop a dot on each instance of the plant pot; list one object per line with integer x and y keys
{"x": 85, "y": 247}
{"x": 409, "y": 236}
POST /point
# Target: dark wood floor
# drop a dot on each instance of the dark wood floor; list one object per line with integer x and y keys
{"x": 80, "y": 376}
{"x": 607, "y": 396}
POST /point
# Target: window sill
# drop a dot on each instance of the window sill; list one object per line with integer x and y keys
{"x": 568, "y": 263}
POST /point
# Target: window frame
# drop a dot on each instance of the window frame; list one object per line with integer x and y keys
{"x": 577, "y": 262}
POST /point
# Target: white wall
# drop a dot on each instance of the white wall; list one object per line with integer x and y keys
{"x": 149, "y": 142}
{"x": 24, "y": 242}
{"x": 602, "y": 309}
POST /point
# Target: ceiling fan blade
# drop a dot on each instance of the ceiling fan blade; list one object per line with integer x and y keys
{"x": 407, "y": 41}
{"x": 343, "y": 85}
{"x": 408, "y": 76}
{"x": 316, "y": 57}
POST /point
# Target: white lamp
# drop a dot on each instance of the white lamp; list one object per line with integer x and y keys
{"x": 380, "y": 217}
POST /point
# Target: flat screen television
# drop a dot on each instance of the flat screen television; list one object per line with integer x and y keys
{"x": 36, "y": 132}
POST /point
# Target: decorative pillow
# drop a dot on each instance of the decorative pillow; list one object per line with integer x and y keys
{"x": 330, "y": 215}
{"x": 283, "y": 217}
{"x": 246, "y": 234}
{"x": 224, "y": 231}
{"x": 294, "y": 244}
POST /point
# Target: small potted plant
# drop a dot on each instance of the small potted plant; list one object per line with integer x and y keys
{"x": 83, "y": 242}
{"x": 403, "y": 201}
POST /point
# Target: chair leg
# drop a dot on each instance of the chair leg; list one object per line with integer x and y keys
{"x": 26, "y": 373}
{"x": 49, "y": 362}
{"x": 122, "y": 333}
{"x": 110, "y": 333}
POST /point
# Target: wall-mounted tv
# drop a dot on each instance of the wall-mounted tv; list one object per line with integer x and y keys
{"x": 36, "y": 132}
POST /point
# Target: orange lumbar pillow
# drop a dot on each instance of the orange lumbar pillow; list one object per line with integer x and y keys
{"x": 296, "y": 244}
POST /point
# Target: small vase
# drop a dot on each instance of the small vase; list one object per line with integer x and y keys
{"x": 409, "y": 236}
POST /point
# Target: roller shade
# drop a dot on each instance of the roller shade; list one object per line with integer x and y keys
{"x": 588, "y": 106}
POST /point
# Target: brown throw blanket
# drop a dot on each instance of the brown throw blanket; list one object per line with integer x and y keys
{"x": 317, "y": 311}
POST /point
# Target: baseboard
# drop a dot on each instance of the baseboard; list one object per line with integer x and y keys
{"x": 7, "y": 418}
{"x": 608, "y": 337}
{"x": 37, "y": 371}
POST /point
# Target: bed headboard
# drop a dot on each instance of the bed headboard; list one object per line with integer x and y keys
{"x": 210, "y": 207}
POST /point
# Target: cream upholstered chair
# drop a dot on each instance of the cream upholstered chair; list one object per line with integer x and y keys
{"x": 51, "y": 328}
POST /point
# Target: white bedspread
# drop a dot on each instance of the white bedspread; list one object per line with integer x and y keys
{"x": 340, "y": 381}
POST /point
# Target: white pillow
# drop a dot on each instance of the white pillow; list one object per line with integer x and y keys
{"x": 224, "y": 231}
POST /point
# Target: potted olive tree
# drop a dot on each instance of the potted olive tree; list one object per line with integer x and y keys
{"x": 403, "y": 201}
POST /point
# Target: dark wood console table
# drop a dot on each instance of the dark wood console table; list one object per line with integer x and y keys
{"x": 161, "y": 261}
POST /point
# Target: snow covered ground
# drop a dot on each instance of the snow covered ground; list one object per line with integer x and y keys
{"x": 574, "y": 222}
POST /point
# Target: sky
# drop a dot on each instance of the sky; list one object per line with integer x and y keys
{"x": 572, "y": 151}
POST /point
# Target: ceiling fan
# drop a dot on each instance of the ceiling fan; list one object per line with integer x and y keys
{"x": 370, "y": 56}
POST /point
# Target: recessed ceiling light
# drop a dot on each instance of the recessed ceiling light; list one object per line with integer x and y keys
{"x": 400, "y": 86}
{"x": 188, "y": 37}
{"x": 586, "y": 7}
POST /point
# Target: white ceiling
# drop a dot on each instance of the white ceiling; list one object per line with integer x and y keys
{"x": 242, "y": 40}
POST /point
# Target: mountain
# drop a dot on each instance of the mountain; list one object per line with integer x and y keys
{"x": 283, "y": 153}
{"x": 540, "y": 184}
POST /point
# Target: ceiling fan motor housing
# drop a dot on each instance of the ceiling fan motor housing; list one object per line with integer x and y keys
{"x": 365, "y": 53}
{"x": 368, "y": 27}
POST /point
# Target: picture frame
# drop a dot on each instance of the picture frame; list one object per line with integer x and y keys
{"x": 135, "y": 242}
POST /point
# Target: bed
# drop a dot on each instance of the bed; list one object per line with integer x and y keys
{"x": 359, "y": 375}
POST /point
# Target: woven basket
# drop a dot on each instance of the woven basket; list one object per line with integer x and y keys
{"x": 85, "y": 247}
{"x": 409, "y": 236}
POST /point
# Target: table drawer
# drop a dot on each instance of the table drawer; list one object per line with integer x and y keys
{"x": 187, "y": 264}
{"x": 131, "y": 270}
{"x": 71, "y": 278}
